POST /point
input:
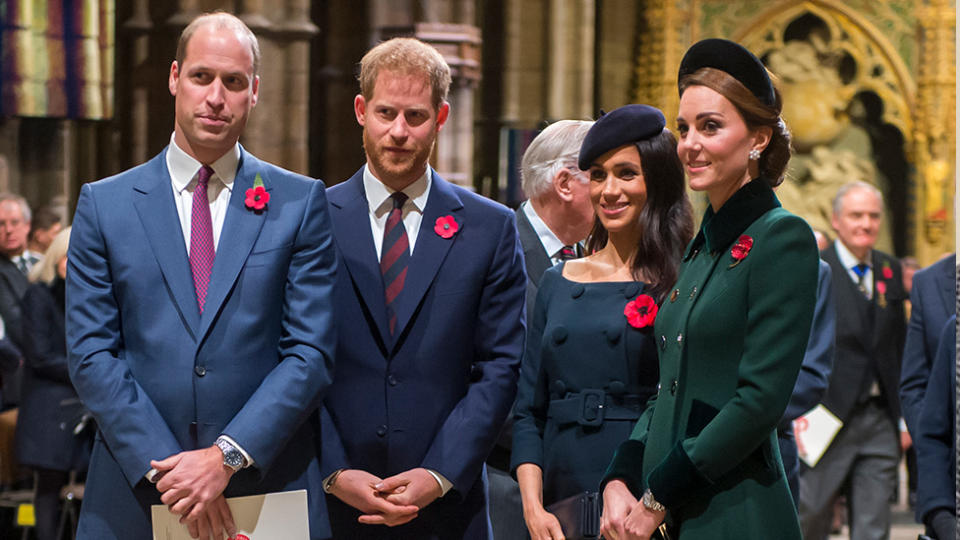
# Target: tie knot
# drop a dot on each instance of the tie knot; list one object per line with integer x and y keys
{"x": 204, "y": 174}
{"x": 860, "y": 270}
{"x": 566, "y": 253}
{"x": 398, "y": 198}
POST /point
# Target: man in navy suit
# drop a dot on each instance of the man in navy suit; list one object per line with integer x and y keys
{"x": 932, "y": 302}
{"x": 199, "y": 312}
{"x": 430, "y": 300}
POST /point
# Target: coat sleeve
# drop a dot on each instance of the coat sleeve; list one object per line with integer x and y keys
{"x": 530, "y": 413}
{"x": 935, "y": 438}
{"x": 777, "y": 326}
{"x": 129, "y": 421}
{"x": 818, "y": 358}
{"x": 45, "y": 354}
{"x": 915, "y": 365}
{"x": 467, "y": 435}
{"x": 293, "y": 389}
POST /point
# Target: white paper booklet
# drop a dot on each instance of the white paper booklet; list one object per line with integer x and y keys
{"x": 274, "y": 516}
{"x": 814, "y": 432}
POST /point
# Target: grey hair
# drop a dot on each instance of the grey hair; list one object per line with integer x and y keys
{"x": 556, "y": 147}
{"x": 24, "y": 207}
{"x": 850, "y": 186}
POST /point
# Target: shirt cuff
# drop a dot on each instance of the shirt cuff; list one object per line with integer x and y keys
{"x": 246, "y": 456}
{"x": 445, "y": 485}
{"x": 151, "y": 476}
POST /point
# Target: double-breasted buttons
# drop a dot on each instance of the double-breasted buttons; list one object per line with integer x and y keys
{"x": 200, "y": 371}
{"x": 382, "y": 431}
{"x": 693, "y": 292}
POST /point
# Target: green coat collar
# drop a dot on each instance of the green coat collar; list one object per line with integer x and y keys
{"x": 720, "y": 229}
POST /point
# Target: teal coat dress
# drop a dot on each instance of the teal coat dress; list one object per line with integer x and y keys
{"x": 731, "y": 334}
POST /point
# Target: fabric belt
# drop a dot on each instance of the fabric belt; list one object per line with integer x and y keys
{"x": 592, "y": 407}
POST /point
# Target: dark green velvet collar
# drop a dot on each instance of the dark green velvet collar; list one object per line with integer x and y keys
{"x": 719, "y": 229}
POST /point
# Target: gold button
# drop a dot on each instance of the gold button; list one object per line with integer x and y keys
{"x": 693, "y": 292}
{"x": 674, "y": 295}
{"x": 680, "y": 340}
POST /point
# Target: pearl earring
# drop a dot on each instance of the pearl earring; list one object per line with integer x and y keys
{"x": 754, "y": 154}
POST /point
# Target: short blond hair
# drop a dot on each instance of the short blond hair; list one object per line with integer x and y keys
{"x": 220, "y": 20}
{"x": 46, "y": 270}
{"x": 407, "y": 56}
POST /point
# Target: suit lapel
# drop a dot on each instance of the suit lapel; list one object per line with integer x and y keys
{"x": 850, "y": 298}
{"x": 161, "y": 224}
{"x": 241, "y": 227}
{"x": 536, "y": 258}
{"x": 947, "y": 285}
{"x": 351, "y": 223}
{"x": 430, "y": 249}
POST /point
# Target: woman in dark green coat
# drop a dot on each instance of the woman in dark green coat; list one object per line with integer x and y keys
{"x": 703, "y": 457}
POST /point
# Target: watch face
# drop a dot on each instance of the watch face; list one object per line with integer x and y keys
{"x": 233, "y": 459}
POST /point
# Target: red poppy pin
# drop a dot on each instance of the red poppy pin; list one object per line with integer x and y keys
{"x": 887, "y": 271}
{"x": 446, "y": 226}
{"x": 641, "y": 312}
{"x": 882, "y": 293}
{"x": 240, "y": 537}
{"x": 257, "y": 196}
{"x": 741, "y": 249}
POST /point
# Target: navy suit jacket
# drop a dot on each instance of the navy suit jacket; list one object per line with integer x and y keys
{"x": 435, "y": 394}
{"x": 932, "y": 301}
{"x": 160, "y": 377}
{"x": 935, "y": 438}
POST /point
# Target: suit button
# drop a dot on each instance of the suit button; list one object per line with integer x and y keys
{"x": 391, "y": 380}
{"x": 200, "y": 371}
{"x": 680, "y": 340}
{"x": 381, "y": 431}
{"x": 673, "y": 387}
{"x": 663, "y": 342}
{"x": 693, "y": 292}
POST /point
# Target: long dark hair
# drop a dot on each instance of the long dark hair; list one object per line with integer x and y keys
{"x": 666, "y": 220}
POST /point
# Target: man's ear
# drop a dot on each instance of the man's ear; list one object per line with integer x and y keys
{"x": 173, "y": 78}
{"x": 360, "y": 108}
{"x": 442, "y": 115}
{"x": 562, "y": 184}
{"x": 255, "y": 91}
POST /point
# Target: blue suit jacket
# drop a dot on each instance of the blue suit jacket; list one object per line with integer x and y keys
{"x": 932, "y": 301}
{"x": 435, "y": 394}
{"x": 159, "y": 377}
{"x": 935, "y": 438}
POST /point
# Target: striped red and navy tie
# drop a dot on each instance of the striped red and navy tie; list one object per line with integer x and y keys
{"x": 395, "y": 256}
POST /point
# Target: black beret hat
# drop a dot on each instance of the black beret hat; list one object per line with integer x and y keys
{"x": 625, "y": 125}
{"x": 733, "y": 59}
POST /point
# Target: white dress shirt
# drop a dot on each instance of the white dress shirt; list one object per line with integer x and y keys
{"x": 183, "y": 171}
{"x": 849, "y": 260}
{"x": 551, "y": 244}
{"x": 378, "y": 198}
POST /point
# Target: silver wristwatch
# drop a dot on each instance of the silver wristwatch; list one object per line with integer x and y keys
{"x": 652, "y": 503}
{"x": 231, "y": 455}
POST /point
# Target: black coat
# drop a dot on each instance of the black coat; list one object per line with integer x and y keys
{"x": 13, "y": 285}
{"x": 870, "y": 336}
{"x": 49, "y": 406}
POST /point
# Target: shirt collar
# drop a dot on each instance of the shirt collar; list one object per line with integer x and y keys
{"x": 847, "y": 258}
{"x": 551, "y": 244}
{"x": 183, "y": 167}
{"x": 377, "y": 192}
{"x": 720, "y": 229}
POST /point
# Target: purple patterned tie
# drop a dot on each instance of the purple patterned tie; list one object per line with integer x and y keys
{"x": 201, "y": 237}
{"x": 395, "y": 255}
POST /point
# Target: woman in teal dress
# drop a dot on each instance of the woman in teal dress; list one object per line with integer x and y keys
{"x": 591, "y": 359}
{"x": 703, "y": 457}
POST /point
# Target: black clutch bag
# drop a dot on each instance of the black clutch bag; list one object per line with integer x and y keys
{"x": 579, "y": 515}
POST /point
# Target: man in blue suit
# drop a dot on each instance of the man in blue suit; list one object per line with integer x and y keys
{"x": 932, "y": 302}
{"x": 431, "y": 311}
{"x": 199, "y": 312}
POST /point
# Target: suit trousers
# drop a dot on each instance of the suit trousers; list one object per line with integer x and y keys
{"x": 506, "y": 508}
{"x": 864, "y": 453}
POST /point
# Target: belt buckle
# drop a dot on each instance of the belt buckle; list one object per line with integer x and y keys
{"x": 591, "y": 407}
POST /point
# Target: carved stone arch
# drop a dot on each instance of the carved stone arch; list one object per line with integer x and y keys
{"x": 881, "y": 70}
